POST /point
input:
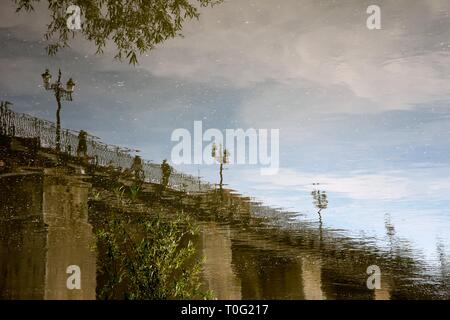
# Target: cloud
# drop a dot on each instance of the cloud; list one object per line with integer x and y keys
{"x": 380, "y": 186}
{"x": 302, "y": 44}
{"x": 293, "y": 46}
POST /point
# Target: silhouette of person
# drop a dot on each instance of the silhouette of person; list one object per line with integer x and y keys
{"x": 137, "y": 169}
{"x": 82, "y": 144}
{"x": 166, "y": 171}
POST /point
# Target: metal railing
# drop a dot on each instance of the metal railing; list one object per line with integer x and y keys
{"x": 15, "y": 124}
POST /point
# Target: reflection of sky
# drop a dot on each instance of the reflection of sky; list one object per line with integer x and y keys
{"x": 364, "y": 113}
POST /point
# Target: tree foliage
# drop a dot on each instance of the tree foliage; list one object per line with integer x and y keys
{"x": 134, "y": 26}
{"x": 147, "y": 259}
{"x": 143, "y": 253}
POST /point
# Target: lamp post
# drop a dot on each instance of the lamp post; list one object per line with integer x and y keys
{"x": 222, "y": 157}
{"x": 60, "y": 93}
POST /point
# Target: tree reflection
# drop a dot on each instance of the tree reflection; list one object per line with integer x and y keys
{"x": 134, "y": 26}
{"x": 166, "y": 171}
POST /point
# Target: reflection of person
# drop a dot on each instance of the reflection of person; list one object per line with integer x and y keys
{"x": 166, "y": 171}
{"x": 136, "y": 167}
{"x": 82, "y": 144}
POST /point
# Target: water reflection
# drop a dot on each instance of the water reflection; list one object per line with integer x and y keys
{"x": 250, "y": 251}
{"x": 368, "y": 118}
{"x": 277, "y": 257}
{"x": 69, "y": 236}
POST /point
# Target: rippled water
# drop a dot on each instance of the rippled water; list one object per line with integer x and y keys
{"x": 250, "y": 251}
{"x": 364, "y": 118}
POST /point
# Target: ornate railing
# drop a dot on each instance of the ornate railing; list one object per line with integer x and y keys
{"x": 22, "y": 125}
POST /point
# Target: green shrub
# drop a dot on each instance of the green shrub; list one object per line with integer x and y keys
{"x": 149, "y": 257}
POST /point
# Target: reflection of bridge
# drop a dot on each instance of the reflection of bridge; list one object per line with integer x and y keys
{"x": 14, "y": 124}
{"x": 45, "y": 228}
{"x": 248, "y": 255}
{"x": 244, "y": 258}
{"x": 243, "y": 265}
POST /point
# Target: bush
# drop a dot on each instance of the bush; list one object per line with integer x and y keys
{"x": 149, "y": 257}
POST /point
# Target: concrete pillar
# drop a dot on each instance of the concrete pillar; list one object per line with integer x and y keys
{"x": 69, "y": 237}
{"x": 218, "y": 273}
{"x": 312, "y": 278}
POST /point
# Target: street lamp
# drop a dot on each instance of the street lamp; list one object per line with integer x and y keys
{"x": 222, "y": 157}
{"x": 60, "y": 93}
